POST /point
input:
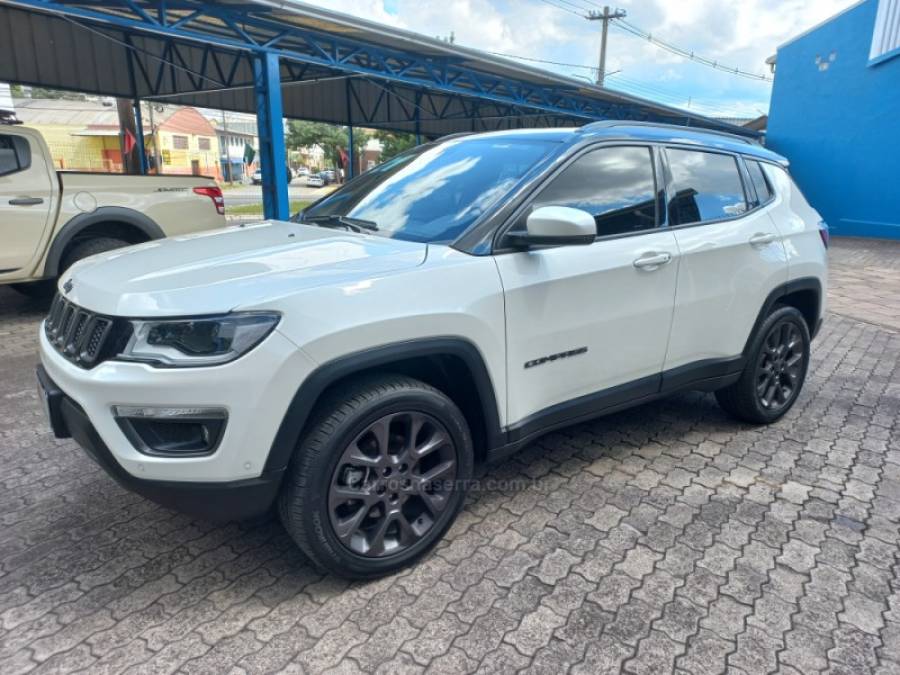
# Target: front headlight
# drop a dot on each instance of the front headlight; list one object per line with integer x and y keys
{"x": 204, "y": 341}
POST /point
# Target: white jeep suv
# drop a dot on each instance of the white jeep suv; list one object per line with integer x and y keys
{"x": 452, "y": 304}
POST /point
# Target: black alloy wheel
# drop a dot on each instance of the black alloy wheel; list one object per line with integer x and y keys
{"x": 378, "y": 476}
{"x": 392, "y": 484}
{"x": 780, "y": 366}
{"x": 775, "y": 369}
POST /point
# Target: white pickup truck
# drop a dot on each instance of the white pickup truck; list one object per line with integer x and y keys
{"x": 50, "y": 219}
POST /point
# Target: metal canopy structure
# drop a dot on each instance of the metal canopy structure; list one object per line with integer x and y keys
{"x": 279, "y": 58}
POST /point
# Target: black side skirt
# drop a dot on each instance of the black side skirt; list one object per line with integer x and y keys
{"x": 707, "y": 375}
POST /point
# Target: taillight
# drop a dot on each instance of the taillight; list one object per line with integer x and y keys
{"x": 214, "y": 193}
{"x": 823, "y": 232}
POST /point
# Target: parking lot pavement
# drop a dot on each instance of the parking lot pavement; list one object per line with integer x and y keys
{"x": 252, "y": 194}
{"x": 864, "y": 280}
{"x": 667, "y": 537}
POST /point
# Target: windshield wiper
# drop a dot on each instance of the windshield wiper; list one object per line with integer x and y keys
{"x": 355, "y": 224}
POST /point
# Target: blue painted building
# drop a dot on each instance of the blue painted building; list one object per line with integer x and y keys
{"x": 835, "y": 114}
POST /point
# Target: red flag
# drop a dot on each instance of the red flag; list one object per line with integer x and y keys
{"x": 130, "y": 141}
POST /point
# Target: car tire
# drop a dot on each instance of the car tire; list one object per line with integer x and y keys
{"x": 777, "y": 363}
{"x": 88, "y": 248}
{"x": 363, "y": 443}
{"x": 41, "y": 290}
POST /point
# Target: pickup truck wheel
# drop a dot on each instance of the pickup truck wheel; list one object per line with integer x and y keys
{"x": 378, "y": 478}
{"x": 37, "y": 290}
{"x": 90, "y": 247}
{"x": 775, "y": 371}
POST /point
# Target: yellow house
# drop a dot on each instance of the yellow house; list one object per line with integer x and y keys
{"x": 188, "y": 144}
{"x": 84, "y": 136}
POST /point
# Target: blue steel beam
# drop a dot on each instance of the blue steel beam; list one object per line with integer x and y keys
{"x": 350, "y": 168}
{"x": 270, "y": 123}
{"x": 241, "y": 27}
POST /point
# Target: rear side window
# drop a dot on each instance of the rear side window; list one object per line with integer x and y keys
{"x": 615, "y": 185}
{"x": 705, "y": 186}
{"x": 15, "y": 154}
{"x": 760, "y": 182}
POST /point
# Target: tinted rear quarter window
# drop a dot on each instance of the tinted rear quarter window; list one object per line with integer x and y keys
{"x": 760, "y": 183}
{"x": 615, "y": 185}
{"x": 705, "y": 186}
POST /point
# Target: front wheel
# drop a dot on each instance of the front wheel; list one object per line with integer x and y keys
{"x": 378, "y": 478}
{"x": 775, "y": 371}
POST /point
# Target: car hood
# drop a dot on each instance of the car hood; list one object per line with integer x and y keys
{"x": 221, "y": 270}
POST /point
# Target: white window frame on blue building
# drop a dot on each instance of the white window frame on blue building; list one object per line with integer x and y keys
{"x": 886, "y": 36}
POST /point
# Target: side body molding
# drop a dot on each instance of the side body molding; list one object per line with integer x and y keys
{"x": 104, "y": 214}
{"x": 327, "y": 374}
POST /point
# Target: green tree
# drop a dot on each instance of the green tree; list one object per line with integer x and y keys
{"x": 393, "y": 143}
{"x": 43, "y": 92}
{"x": 330, "y": 137}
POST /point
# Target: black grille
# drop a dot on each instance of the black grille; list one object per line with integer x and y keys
{"x": 83, "y": 337}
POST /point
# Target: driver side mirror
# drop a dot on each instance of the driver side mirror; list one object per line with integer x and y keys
{"x": 555, "y": 226}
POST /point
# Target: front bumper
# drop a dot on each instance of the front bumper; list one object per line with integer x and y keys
{"x": 229, "y": 500}
{"x": 230, "y": 482}
{"x": 254, "y": 391}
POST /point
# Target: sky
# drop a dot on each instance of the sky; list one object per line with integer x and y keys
{"x": 737, "y": 33}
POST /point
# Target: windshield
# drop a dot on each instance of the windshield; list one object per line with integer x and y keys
{"x": 433, "y": 193}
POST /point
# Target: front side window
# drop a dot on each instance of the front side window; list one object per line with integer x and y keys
{"x": 433, "y": 193}
{"x": 15, "y": 154}
{"x": 760, "y": 183}
{"x": 180, "y": 142}
{"x": 615, "y": 185}
{"x": 705, "y": 186}
{"x": 203, "y": 143}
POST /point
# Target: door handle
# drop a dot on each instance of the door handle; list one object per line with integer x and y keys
{"x": 652, "y": 261}
{"x": 25, "y": 201}
{"x": 762, "y": 238}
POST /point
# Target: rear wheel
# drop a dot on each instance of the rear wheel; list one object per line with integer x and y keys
{"x": 89, "y": 247}
{"x": 378, "y": 478}
{"x": 775, "y": 370}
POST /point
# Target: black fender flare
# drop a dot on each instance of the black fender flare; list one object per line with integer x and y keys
{"x": 792, "y": 286}
{"x": 104, "y": 214}
{"x": 321, "y": 378}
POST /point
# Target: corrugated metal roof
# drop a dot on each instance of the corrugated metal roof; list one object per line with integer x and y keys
{"x": 49, "y": 111}
{"x": 87, "y": 55}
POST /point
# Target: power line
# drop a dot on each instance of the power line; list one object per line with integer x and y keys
{"x": 563, "y": 8}
{"x": 648, "y": 90}
{"x": 620, "y": 23}
{"x": 536, "y": 60}
{"x": 580, "y": 8}
{"x": 685, "y": 53}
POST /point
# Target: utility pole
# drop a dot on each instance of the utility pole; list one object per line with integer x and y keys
{"x": 128, "y": 128}
{"x": 605, "y": 17}
{"x": 157, "y": 160}
{"x": 228, "y": 166}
